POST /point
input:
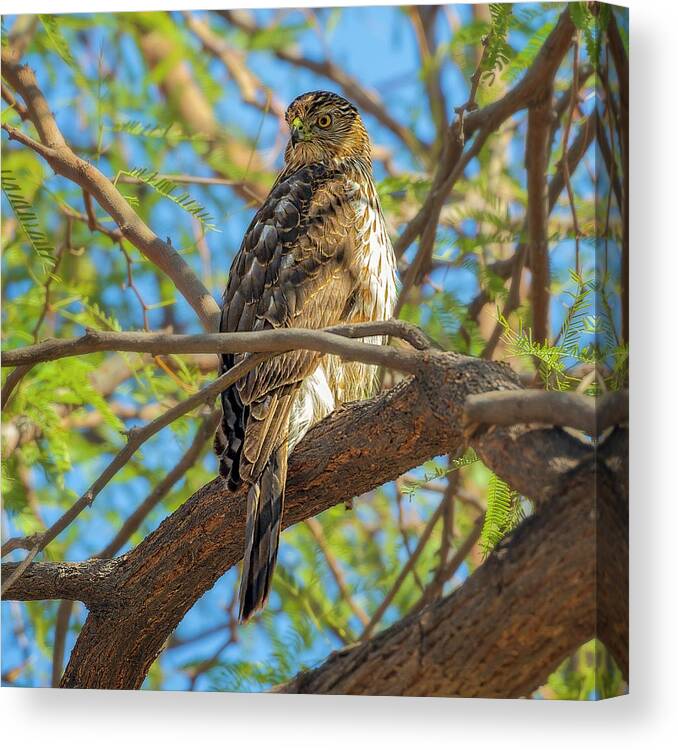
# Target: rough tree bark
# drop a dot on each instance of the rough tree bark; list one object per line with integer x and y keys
{"x": 501, "y": 634}
{"x": 144, "y": 594}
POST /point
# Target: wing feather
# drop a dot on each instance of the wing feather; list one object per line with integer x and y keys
{"x": 292, "y": 270}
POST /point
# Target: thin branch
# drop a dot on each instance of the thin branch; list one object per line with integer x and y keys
{"x": 421, "y": 263}
{"x": 8, "y": 96}
{"x": 228, "y": 156}
{"x": 316, "y": 530}
{"x": 577, "y": 150}
{"x": 131, "y": 284}
{"x": 54, "y": 149}
{"x": 435, "y": 585}
{"x": 530, "y": 87}
{"x": 134, "y": 521}
{"x": 403, "y": 531}
{"x": 185, "y": 179}
{"x": 63, "y": 618}
{"x": 423, "y": 18}
{"x": 405, "y": 571}
{"x": 367, "y": 101}
{"x": 248, "y": 83}
{"x": 451, "y": 567}
{"x": 48, "y": 283}
{"x": 566, "y": 138}
{"x": 136, "y": 438}
{"x": 333, "y": 340}
{"x": 621, "y": 64}
{"x": 13, "y": 379}
{"x": 536, "y": 164}
{"x": 608, "y": 158}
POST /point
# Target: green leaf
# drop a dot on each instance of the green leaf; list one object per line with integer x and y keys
{"x": 165, "y": 187}
{"x": 504, "y": 512}
{"x": 28, "y": 220}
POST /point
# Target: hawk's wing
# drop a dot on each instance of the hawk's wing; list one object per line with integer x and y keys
{"x": 292, "y": 270}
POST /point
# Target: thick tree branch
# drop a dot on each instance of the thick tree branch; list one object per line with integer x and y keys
{"x": 319, "y": 341}
{"x": 564, "y": 409}
{"x": 54, "y": 149}
{"x": 530, "y": 604}
{"x": 90, "y": 582}
{"x": 354, "y": 450}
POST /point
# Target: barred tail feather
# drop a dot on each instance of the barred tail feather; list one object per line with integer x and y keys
{"x": 230, "y": 433}
{"x": 265, "y": 501}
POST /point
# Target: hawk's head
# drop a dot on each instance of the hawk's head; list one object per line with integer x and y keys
{"x": 324, "y": 126}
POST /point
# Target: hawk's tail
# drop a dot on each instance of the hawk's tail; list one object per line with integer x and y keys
{"x": 264, "y": 515}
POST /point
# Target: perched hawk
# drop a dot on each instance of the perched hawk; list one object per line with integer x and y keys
{"x": 316, "y": 254}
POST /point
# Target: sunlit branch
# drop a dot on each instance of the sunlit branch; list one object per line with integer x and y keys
{"x": 54, "y": 149}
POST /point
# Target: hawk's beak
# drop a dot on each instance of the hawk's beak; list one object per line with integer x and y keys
{"x": 298, "y": 131}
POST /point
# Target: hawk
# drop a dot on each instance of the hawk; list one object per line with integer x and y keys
{"x": 316, "y": 253}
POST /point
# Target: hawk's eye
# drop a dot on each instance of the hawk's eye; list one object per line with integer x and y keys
{"x": 324, "y": 121}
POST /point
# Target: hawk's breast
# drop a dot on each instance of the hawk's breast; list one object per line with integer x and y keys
{"x": 374, "y": 297}
{"x": 373, "y": 270}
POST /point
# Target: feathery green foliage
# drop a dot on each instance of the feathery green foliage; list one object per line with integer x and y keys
{"x": 523, "y": 59}
{"x": 504, "y": 512}
{"x": 498, "y": 52}
{"x": 28, "y": 220}
{"x": 592, "y": 26}
{"x": 167, "y": 188}
{"x": 171, "y": 133}
{"x": 434, "y": 471}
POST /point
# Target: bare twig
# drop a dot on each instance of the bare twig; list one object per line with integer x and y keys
{"x": 435, "y": 585}
{"x": 316, "y": 530}
{"x": 450, "y": 568}
{"x": 48, "y": 283}
{"x": 405, "y": 571}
